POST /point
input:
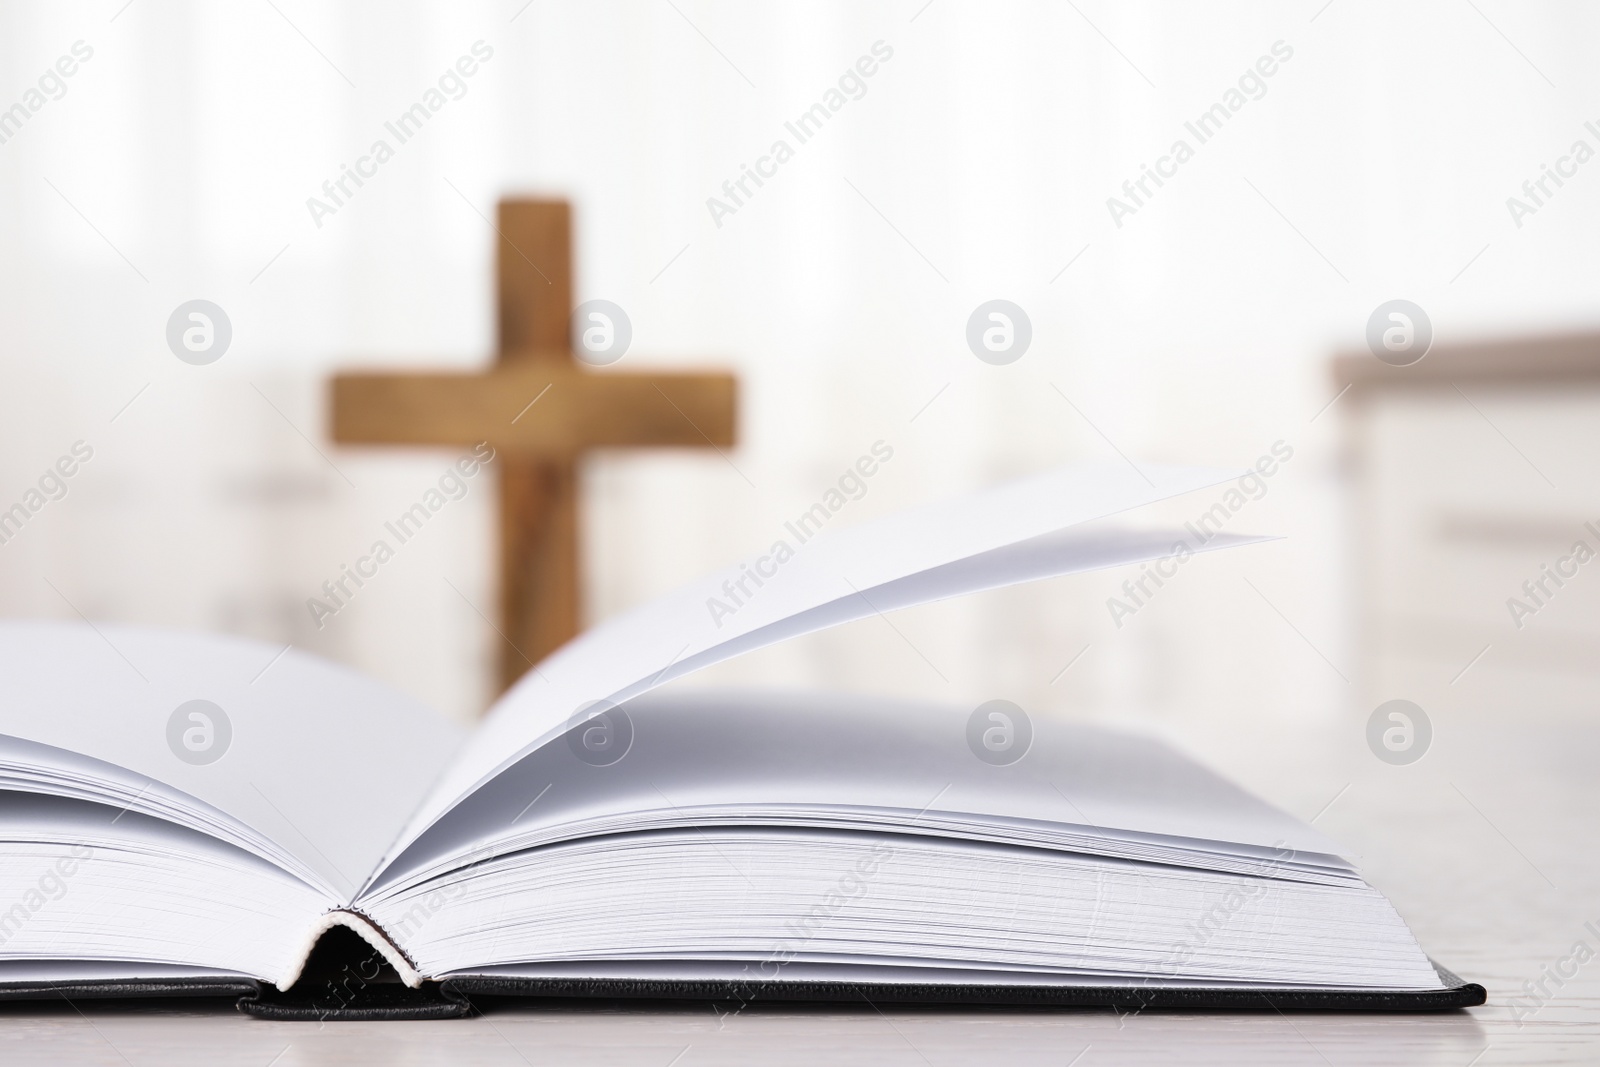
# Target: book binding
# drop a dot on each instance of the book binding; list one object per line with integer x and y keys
{"x": 324, "y": 1000}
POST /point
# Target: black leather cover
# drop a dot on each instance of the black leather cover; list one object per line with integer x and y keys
{"x": 1458, "y": 994}
{"x": 128, "y": 987}
{"x": 386, "y": 1001}
{"x": 389, "y": 1000}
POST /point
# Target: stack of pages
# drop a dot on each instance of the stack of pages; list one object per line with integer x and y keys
{"x": 190, "y": 814}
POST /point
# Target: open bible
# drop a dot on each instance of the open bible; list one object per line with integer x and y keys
{"x": 204, "y": 815}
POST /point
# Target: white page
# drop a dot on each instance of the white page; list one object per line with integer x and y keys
{"x": 51, "y": 972}
{"x": 1093, "y": 546}
{"x": 144, "y": 888}
{"x": 791, "y": 760}
{"x": 632, "y": 653}
{"x": 741, "y": 893}
{"x": 323, "y": 761}
{"x": 43, "y": 771}
{"x": 856, "y": 972}
{"x": 818, "y": 751}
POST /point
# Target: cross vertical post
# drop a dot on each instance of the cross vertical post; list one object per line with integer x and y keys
{"x": 540, "y": 601}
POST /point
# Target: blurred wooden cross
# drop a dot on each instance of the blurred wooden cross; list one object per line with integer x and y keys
{"x": 540, "y": 411}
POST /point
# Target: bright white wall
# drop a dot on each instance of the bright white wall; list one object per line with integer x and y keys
{"x": 1376, "y": 166}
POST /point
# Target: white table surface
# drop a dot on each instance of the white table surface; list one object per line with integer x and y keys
{"x": 1487, "y": 847}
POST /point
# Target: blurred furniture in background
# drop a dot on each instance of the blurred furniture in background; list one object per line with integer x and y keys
{"x": 538, "y": 446}
{"x": 1476, "y": 522}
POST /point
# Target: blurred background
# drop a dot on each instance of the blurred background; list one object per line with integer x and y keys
{"x": 1199, "y": 326}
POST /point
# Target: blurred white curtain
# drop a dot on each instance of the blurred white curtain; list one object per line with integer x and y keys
{"x": 975, "y": 163}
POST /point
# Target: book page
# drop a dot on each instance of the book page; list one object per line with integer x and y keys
{"x": 324, "y": 762}
{"x": 848, "y": 761}
{"x": 760, "y": 751}
{"x": 837, "y": 576}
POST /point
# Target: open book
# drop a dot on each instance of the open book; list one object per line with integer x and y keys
{"x": 208, "y": 815}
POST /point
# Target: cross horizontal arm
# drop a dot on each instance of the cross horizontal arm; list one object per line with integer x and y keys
{"x": 538, "y": 409}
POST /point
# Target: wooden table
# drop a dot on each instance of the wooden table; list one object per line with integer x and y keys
{"x": 1487, "y": 846}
